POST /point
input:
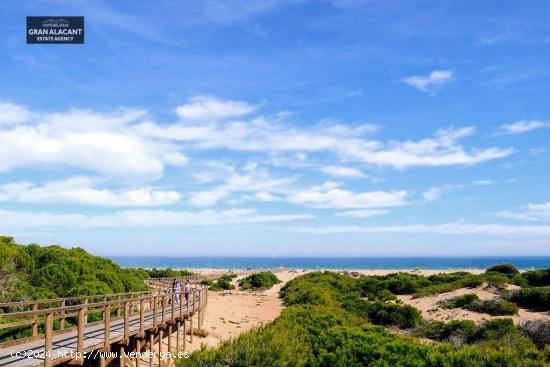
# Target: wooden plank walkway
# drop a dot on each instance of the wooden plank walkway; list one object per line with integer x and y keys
{"x": 137, "y": 315}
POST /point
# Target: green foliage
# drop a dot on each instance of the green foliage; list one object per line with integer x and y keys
{"x": 507, "y": 269}
{"x": 262, "y": 280}
{"x": 35, "y": 272}
{"x": 533, "y": 298}
{"x": 384, "y": 313}
{"x": 464, "y": 301}
{"x": 537, "y": 278}
{"x": 495, "y": 307}
{"x": 168, "y": 273}
{"x": 327, "y": 324}
{"x": 222, "y": 283}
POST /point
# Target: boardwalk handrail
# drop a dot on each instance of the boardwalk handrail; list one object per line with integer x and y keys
{"x": 161, "y": 302}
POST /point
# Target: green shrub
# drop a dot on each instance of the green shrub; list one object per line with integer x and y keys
{"x": 507, "y": 269}
{"x": 537, "y": 278}
{"x": 459, "y": 331}
{"x": 262, "y": 280}
{"x": 472, "y": 302}
{"x": 463, "y": 301}
{"x": 494, "y": 307}
{"x": 168, "y": 273}
{"x": 327, "y": 324}
{"x": 532, "y": 298}
{"x": 222, "y": 283}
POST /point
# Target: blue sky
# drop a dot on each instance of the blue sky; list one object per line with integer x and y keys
{"x": 307, "y": 128}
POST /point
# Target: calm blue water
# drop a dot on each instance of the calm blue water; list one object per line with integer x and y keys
{"x": 330, "y": 263}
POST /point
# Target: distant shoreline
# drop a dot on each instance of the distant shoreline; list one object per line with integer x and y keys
{"x": 337, "y": 263}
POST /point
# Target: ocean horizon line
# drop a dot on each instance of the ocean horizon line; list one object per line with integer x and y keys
{"x": 302, "y": 262}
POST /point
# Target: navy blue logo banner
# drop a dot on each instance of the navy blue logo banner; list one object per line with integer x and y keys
{"x": 55, "y": 29}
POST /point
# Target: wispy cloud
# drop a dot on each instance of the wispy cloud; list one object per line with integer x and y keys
{"x": 331, "y": 195}
{"x": 81, "y": 190}
{"x": 521, "y": 127}
{"x": 211, "y": 108}
{"x": 533, "y": 212}
{"x": 435, "y": 192}
{"x": 365, "y": 213}
{"x": 342, "y": 171}
{"x": 431, "y": 81}
{"x": 455, "y": 228}
{"x": 142, "y": 218}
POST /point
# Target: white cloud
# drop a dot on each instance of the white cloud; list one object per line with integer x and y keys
{"x": 80, "y": 190}
{"x": 347, "y": 142}
{"x": 342, "y": 171}
{"x": 522, "y": 126}
{"x": 430, "y": 82}
{"x": 127, "y": 144}
{"x": 533, "y": 212}
{"x": 105, "y": 143}
{"x": 330, "y": 195}
{"x": 455, "y": 228}
{"x": 142, "y": 219}
{"x": 436, "y": 192}
{"x": 11, "y": 113}
{"x": 211, "y": 108}
{"x": 253, "y": 179}
{"x": 366, "y": 213}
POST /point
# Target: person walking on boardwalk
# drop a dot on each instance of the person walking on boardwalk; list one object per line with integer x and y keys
{"x": 174, "y": 289}
{"x": 187, "y": 290}
{"x": 177, "y": 291}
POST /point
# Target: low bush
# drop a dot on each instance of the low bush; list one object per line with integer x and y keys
{"x": 384, "y": 313}
{"x": 262, "y": 280}
{"x": 537, "y": 278}
{"x": 537, "y": 299}
{"x": 538, "y": 331}
{"x": 495, "y": 307}
{"x": 507, "y": 269}
{"x": 463, "y": 301}
{"x": 470, "y": 301}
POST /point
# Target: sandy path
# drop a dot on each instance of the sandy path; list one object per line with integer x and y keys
{"x": 230, "y": 313}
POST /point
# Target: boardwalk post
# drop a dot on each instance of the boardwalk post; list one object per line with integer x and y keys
{"x": 170, "y": 337}
{"x": 154, "y": 311}
{"x": 118, "y": 310}
{"x": 48, "y": 340}
{"x": 184, "y": 334}
{"x": 151, "y": 340}
{"x": 138, "y": 351}
{"x": 62, "y": 321}
{"x": 163, "y": 307}
{"x": 181, "y": 305}
{"x": 86, "y": 319}
{"x": 35, "y": 320}
{"x": 141, "y": 318}
{"x": 126, "y": 321}
{"x": 177, "y": 336}
{"x": 107, "y": 328}
{"x": 160, "y": 346}
{"x": 80, "y": 341}
{"x": 191, "y": 327}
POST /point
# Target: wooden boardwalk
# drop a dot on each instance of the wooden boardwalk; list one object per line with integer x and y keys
{"x": 129, "y": 322}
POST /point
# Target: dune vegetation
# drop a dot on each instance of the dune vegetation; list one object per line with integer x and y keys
{"x": 333, "y": 319}
{"x": 261, "y": 280}
{"x": 35, "y": 272}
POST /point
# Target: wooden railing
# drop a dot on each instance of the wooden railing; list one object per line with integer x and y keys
{"x": 73, "y": 314}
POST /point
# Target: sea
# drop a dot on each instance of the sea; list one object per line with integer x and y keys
{"x": 435, "y": 263}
